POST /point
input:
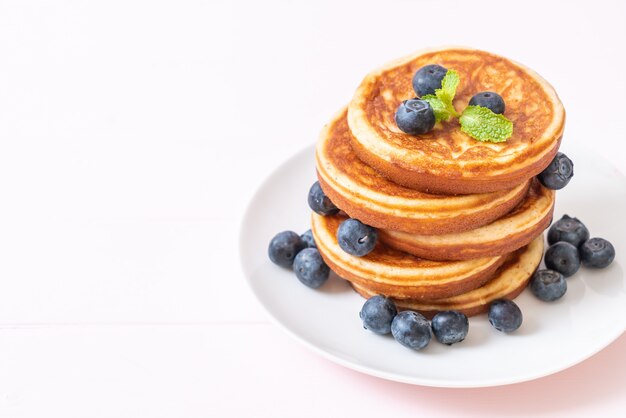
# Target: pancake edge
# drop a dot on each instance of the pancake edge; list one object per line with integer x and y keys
{"x": 466, "y": 220}
{"x": 426, "y": 292}
{"x": 469, "y": 250}
{"x": 483, "y": 305}
{"x": 440, "y": 183}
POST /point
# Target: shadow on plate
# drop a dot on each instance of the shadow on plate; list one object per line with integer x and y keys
{"x": 608, "y": 281}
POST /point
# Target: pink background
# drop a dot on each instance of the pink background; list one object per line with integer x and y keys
{"x": 132, "y": 136}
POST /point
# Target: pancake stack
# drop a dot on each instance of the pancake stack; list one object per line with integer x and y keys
{"x": 460, "y": 222}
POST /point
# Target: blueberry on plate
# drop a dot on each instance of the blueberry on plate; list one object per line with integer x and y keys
{"x": 284, "y": 247}
{"x": 597, "y": 253}
{"x": 310, "y": 268}
{"x": 450, "y": 327}
{"x": 562, "y": 257}
{"x": 415, "y": 117}
{"x": 490, "y": 100}
{"x": 569, "y": 230}
{"x": 548, "y": 285}
{"x": 308, "y": 239}
{"x": 377, "y": 314}
{"x": 428, "y": 78}
{"x": 319, "y": 202}
{"x": 356, "y": 238}
{"x": 411, "y": 329}
{"x": 558, "y": 173}
{"x": 505, "y": 315}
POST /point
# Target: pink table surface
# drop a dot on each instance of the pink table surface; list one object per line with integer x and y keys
{"x": 134, "y": 132}
{"x": 303, "y": 382}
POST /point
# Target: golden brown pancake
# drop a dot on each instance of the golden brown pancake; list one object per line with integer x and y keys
{"x": 447, "y": 160}
{"x": 364, "y": 194}
{"x": 510, "y": 232}
{"x": 509, "y": 281}
{"x": 398, "y": 274}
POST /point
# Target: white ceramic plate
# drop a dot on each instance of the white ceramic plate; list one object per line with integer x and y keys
{"x": 553, "y": 336}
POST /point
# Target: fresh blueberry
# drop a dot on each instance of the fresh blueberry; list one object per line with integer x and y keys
{"x": 450, "y": 327}
{"x": 356, "y": 238}
{"x": 490, "y": 100}
{"x": 308, "y": 239}
{"x": 548, "y": 285}
{"x": 569, "y": 230}
{"x": 597, "y": 253}
{"x": 505, "y": 315}
{"x": 377, "y": 314}
{"x": 310, "y": 268}
{"x": 428, "y": 78}
{"x": 284, "y": 247}
{"x": 319, "y": 202}
{"x": 558, "y": 173}
{"x": 562, "y": 257}
{"x": 415, "y": 117}
{"x": 411, "y": 330}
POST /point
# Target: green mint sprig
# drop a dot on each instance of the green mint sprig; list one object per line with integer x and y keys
{"x": 441, "y": 101}
{"x": 479, "y": 122}
{"x": 482, "y": 124}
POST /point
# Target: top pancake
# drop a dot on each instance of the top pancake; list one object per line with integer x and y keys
{"x": 447, "y": 160}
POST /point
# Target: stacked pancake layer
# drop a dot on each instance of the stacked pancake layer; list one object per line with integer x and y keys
{"x": 508, "y": 282}
{"x": 479, "y": 238}
{"x": 367, "y": 195}
{"x": 446, "y": 160}
{"x": 398, "y": 274}
{"x": 508, "y": 233}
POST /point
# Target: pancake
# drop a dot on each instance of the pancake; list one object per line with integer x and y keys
{"x": 508, "y": 282}
{"x": 514, "y": 230}
{"x": 364, "y": 194}
{"x": 398, "y": 274}
{"x": 447, "y": 160}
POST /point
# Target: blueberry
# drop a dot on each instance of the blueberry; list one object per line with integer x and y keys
{"x": 505, "y": 315}
{"x": 356, "y": 238}
{"x": 558, "y": 173}
{"x": 319, "y": 202}
{"x": 548, "y": 285}
{"x": 308, "y": 239}
{"x": 284, "y": 247}
{"x": 569, "y": 230}
{"x": 310, "y": 268}
{"x": 562, "y": 257}
{"x": 490, "y": 100}
{"x": 377, "y": 314}
{"x": 450, "y": 327}
{"x": 411, "y": 330}
{"x": 415, "y": 117}
{"x": 428, "y": 78}
{"x": 597, "y": 253}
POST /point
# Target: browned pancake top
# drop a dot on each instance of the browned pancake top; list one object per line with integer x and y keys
{"x": 528, "y": 105}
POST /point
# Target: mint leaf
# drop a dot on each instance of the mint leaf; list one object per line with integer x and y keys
{"x": 439, "y": 108}
{"x": 441, "y": 101}
{"x": 448, "y": 88}
{"x": 482, "y": 124}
